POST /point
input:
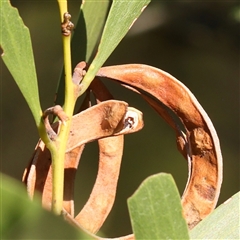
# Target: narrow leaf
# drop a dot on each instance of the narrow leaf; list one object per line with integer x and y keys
{"x": 88, "y": 29}
{"x": 155, "y": 210}
{"x": 18, "y": 56}
{"x": 223, "y": 223}
{"x": 121, "y": 17}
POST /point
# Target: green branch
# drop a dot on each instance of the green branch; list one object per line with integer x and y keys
{"x": 59, "y": 148}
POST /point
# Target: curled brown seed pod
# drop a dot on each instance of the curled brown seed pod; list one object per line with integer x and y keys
{"x": 105, "y": 118}
{"x": 199, "y": 144}
{"x": 102, "y": 197}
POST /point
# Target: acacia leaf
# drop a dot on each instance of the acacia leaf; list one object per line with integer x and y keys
{"x": 18, "y": 56}
{"x": 121, "y": 17}
{"x": 88, "y": 29}
{"x": 156, "y": 211}
{"x": 222, "y": 223}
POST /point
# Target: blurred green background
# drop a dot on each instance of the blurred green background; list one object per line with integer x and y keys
{"x": 197, "y": 42}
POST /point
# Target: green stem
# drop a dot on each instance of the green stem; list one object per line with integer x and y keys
{"x": 62, "y": 8}
{"x": 58, "y": 156}
{"x": 69, "y": 87}
{"x": 59, "y": 148}
{"x": 43, "y": 134}
{"x": 57, "y": 180}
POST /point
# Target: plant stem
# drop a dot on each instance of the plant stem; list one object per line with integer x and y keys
{"x": 57, "y": 180}
{"x": 58, "y": 156}
{"x": 69, "y": 87}
{"x": 58, "y": 151}
{"x": 62, "y": 8}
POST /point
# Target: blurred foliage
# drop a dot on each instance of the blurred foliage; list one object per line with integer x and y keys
{"x": 197, "y": 42}
{"x": 27, "y": 219}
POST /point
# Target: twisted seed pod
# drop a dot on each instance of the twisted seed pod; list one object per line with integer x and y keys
{"x": 38, "y": 175}
{"x": 102, "y": 197}
{"x": 97, "y": 122}
{"x": 199, "y": 143}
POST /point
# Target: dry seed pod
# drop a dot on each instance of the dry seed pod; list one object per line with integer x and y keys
{"x": 98, "y": 206}
{"x": 96, "y": 122}
{"x": 38, "y": 175}
{"x": 102, "y": 197}
{"x": 199, "y": 144}
{"x": 105, "y": 118}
